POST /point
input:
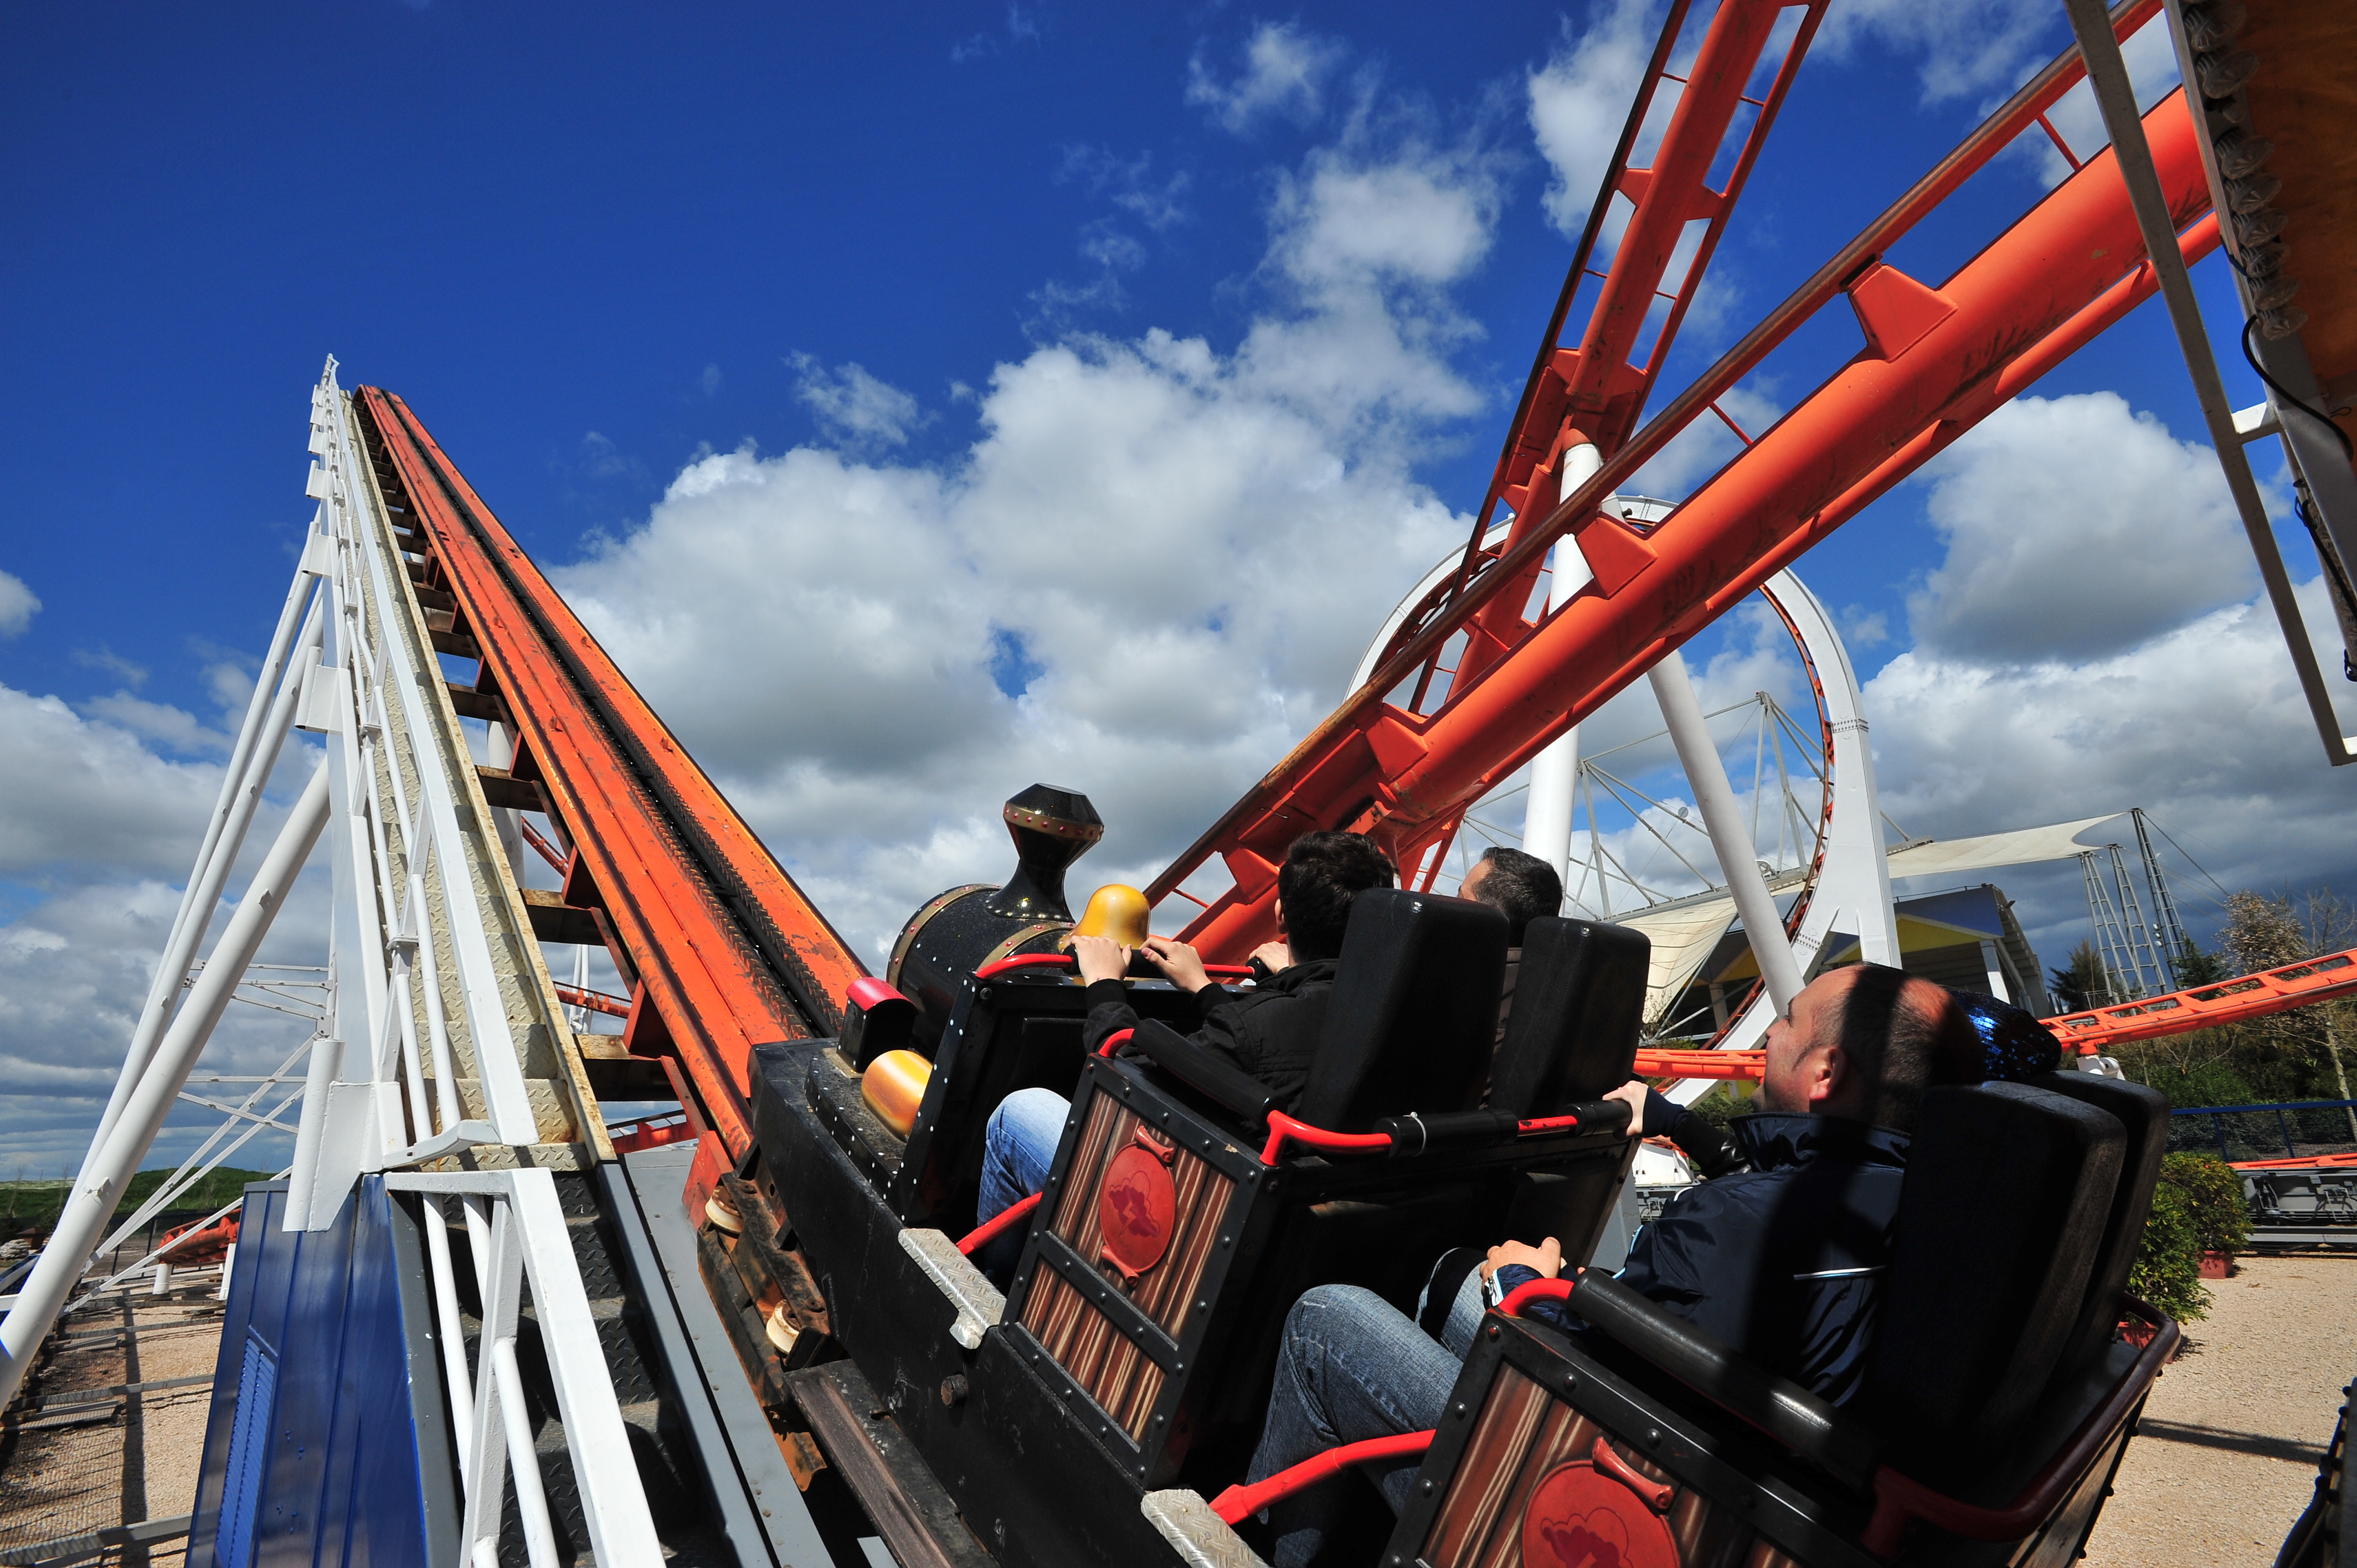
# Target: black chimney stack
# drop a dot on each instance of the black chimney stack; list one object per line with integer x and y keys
{"x": 1051, "y": 828}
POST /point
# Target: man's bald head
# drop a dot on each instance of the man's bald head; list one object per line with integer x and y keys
{"x": 1864, "y": 1042}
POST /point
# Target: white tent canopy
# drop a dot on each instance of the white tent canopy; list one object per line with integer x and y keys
{"x": 1684, "y": 934}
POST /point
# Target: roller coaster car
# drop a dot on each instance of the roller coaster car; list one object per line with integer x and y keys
{"x": 1186, "y": 1212}
{"x": 1996, "y": 1406}
{"x": 1178, "y": 1229}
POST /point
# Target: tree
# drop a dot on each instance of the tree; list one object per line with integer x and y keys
{"x": 2080, "y": 986}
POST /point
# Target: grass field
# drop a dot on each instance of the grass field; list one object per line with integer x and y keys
{"x": 34, "y": 1205}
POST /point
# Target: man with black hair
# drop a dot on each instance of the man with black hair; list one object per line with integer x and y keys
{"x": 1781, "y": 1262}
{"x": 1523, "y": 888}
{"x": 1270, "y": 1032}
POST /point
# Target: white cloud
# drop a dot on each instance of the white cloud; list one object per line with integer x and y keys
{"x": 18, "y": 605}
{"x": 77, "y": 792}
{"x": 1424, "y": 218}
{"x": 1579, "y": 102}
{"x": 1129, "y": 583}
{"x": 2151, "y": 60}
{"x": 2075, "y": 527}
{"x": 176, "y": 729}
{"x": 1159, "y": 204}
{"x": 1966, "y": 50}
{"x": 1285, "y": 73}
{"x": 854, "y": 407}
{"x": 114, "y": 663}
{"x": 97, "y": 830}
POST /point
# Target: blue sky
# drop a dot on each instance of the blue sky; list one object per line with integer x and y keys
{"x": 867, "y": 379}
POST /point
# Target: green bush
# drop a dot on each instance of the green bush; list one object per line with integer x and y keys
{"x": 2214, "y": 1196}
{"x": 2167, "y": 1271}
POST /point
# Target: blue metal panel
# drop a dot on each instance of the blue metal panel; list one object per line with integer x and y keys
{"x": 346, "y": 1459}
{"x": 257, "y": 1398}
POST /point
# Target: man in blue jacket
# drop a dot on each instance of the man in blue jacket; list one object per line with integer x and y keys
{"x": 1779, "y": 1261}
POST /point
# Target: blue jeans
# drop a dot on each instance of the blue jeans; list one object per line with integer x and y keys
{"x": 1351, "y": 1367}
{"x": 1018, "y": 1145}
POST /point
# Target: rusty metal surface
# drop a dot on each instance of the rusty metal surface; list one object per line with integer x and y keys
{"x": 728, "y": 953}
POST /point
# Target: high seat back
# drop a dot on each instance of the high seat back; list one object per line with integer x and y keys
{"x": 2008, "y": 1188}
{"x": 1155, "y": 1276}
{"x": 1646, "y": 1439}
{"x": 1413, "y": 1011}
{"x": 1579, "y": 1002}
{"x": 2143, "y": 1115}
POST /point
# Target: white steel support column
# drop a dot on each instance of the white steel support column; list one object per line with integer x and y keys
{"x": 1555, "y": 772}
{"x": 1739, "y": 858}
{"x": 259, "y": 739}
{"x": 2108, "y": 78}
{"x": 1995, "y": 967}
{"x": 144, "y": 1109}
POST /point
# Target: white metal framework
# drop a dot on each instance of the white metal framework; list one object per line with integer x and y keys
{"x": 437, "y": 1037}
{"x": 516, "y": 1229}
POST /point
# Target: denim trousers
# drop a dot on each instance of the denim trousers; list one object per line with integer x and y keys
{"x": 1353, "y": 1367}
{"x": 1019, "y": 1146}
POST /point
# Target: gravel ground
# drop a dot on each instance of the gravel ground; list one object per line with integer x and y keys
{"x": 2226, "y": 1456}
{"x": 137, "y": 1458}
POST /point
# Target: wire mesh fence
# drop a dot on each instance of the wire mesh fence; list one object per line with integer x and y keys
{"x": 2295, "y": 1130}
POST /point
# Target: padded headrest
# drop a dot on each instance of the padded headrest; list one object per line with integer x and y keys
{"x": 1580, "y": 998}
{"x": 1413, "y": 1011}
{"x": 2143, "y": 1113}
{"x": 2007, "y": 1190}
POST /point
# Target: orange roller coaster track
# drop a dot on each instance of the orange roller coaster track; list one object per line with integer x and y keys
{"x": 718, "y": 947}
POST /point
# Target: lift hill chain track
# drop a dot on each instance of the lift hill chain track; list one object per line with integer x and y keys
{"x": 719, "y": 949}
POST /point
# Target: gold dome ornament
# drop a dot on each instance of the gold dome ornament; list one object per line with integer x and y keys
{"x": 1116, "y": 911}
{"x": 893, "y": 1086}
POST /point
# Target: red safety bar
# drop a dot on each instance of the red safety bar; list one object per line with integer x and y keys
{"x": 1536, "y": 1290}
{"x": 1114, "y": 1041}
{"x": 997, "y": 1225}
{"x": 595, "y": 1000}
{"x": 1066, "y": 960}
{"x": 1239, "y": 1502}
{"x": 1283, "y": 1128}
{"x": 653, "y": 1133}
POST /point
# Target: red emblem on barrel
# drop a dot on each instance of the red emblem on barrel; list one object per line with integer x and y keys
{"x": 1136, "y": 1204}
{"x": 1584, "y": 1517}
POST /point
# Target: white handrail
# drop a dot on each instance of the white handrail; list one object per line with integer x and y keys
{"x": 529, "y": 1244}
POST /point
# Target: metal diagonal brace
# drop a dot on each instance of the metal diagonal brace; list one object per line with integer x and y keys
{"x": 2107, "y": 75}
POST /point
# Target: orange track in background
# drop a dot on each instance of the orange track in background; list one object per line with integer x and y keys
{"x": 2207, "y": 1007}
{"x": 721, "y": 951}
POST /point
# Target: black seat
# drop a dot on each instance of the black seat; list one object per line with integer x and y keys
{"x": 1166, "y": 1336}
{"x": 1580, "y": 1005}
{"x": 2008, "y": 1192}
{"x": 2143, "y": 1115}
{"x": 2008, "y": 1187}
{"x": 1413, "y": 1010}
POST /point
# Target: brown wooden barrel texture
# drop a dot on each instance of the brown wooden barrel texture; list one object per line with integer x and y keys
{"x": 1523, "y": 1433}
{"x": 1095, "y": 1355}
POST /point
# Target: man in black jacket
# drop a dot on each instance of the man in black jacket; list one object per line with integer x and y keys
{"x": 1270, "y": 1032}
{"x": 1523, "y": 887}
{"x": 1781, "y": 1262}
